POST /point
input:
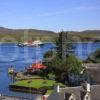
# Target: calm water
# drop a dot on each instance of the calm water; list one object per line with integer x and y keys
{"x": 82, "y": 50}
{"x": 21, "y": 57}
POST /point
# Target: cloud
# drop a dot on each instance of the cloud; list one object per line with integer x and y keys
{"x": 65, "y": 11}
{"x": 87, "y": 8}
{"x": 52, "y": 13}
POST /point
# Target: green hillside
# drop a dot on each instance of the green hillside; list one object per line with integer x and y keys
{"x": 20, "y": 35}
{"x": 86, "y": 36}
{"x": 16, "y": 35}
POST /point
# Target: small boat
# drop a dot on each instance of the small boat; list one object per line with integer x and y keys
{"x": 35, "y": 68}
{"x": 20, "y": 44}
{"x": 37, "y": 43}
{"x": 10, "y": 70}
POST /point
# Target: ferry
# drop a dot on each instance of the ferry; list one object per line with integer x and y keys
{"x": 30, "y": 43}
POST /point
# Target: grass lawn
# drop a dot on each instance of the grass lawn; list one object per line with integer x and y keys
{"x": 38, "y": 83}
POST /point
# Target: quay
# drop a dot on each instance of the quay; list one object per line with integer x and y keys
{"x": 12, "y": 98}
{"x": 6, "y": 97}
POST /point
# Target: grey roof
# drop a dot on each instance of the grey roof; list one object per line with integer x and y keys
{"x": 56, "y": 96}
{"x": 73, "y": 90}
{"x": 94, "y": 94}
{"x": 94, "y": 74}
{"x": 93, "y": 70}
{"x": 96, "y": 65}
{"x": 67, "y": 95}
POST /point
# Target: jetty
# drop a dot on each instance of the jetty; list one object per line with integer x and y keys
{"x": 7, "y": 97}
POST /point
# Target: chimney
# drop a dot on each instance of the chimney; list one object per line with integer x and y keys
{"x": 58, "y": 89}
{"x": 88, "y": 87}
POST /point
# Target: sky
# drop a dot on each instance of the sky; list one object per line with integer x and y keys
{"x": 54, "y": 15}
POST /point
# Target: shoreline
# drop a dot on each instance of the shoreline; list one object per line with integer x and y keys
{"x": 53, "y": 42}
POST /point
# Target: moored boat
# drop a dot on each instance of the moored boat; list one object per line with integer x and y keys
{"x": 37, "y": 43}
{"x": 10, "y": 70}
{"x": 20, "y": 44}
{"x": 35, "y": 68}
{"x": 30, "y": 43}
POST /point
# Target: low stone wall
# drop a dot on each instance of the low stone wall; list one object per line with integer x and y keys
{"x": 27, "y": 89}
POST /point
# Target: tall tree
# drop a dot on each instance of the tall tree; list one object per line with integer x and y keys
{"x": 64, "y": 62}
{"x": 64, "y": 45}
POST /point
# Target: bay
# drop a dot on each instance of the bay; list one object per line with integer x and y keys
{"x": 21, "y": 57}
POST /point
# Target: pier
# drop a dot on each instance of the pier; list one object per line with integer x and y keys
{"x": 7, "y": 97}
{"x": 13, "y": 98}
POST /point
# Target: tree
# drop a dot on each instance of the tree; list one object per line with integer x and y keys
{"x": 64, "y": 45}
{"x": 62, "y": 68}
{"x": 95, "y": 56}
{"x": 58, "y": 68}
{"x": 64, "y": 62}
{"x": 74, "y": 65}
{"x": 48, "y": 54}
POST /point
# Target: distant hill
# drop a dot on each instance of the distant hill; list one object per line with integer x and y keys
{"x": 86, "y": 36}
{"x": 25, "y": 34}
{"x": 34, "y": 31}
{"x": 20, "y": 35}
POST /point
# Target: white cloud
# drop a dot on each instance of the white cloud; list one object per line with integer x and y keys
{"x": 65, "y": 11}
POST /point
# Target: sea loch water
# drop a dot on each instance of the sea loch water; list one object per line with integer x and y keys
{"x": 21, "y": 57}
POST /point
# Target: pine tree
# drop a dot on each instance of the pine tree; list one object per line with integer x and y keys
{"x": 64, "y": 45}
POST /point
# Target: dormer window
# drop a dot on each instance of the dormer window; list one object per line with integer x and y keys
{"x": 72, "y": 97}
{"x": 69, "y": 96}
{"x": 86, "y": 97}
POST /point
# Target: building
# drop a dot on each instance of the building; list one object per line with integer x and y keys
{"x": 77, "y": 93}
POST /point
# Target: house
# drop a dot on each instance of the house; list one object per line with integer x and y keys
{"x": 85, "y": 92}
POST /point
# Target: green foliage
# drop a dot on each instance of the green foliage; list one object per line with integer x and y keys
{"x": 95, "y": 57}
{"x": 64, "y": 62}
{"x": 74, "y": 65}
{"x": 64, "y": 45}
{"x": 48, "y": 54}
{"x": 61, "y": 68}
{"x": 97, "y": 54}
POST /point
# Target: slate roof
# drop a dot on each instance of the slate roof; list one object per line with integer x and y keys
{"x": 96, "y": 65}
{"x": 93, "y": 70}
{"x": 94, "y": 94}
{"x": 56, "y": 96}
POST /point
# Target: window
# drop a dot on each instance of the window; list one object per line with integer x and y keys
{"x": 87, "y": 98}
